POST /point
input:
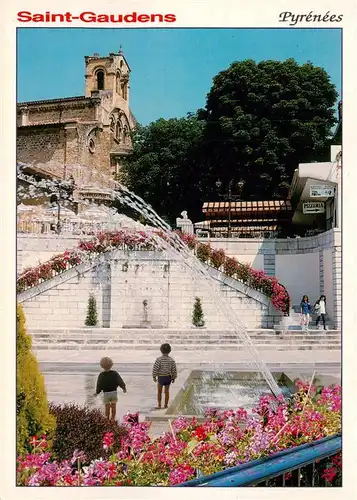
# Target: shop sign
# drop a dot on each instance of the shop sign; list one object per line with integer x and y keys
{"x": 316, "y": 207}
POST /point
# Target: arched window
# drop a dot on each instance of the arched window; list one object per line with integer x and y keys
{"x": 124, "y": 91}
{"x": 118, "y": 130}
{"x": 125, "y": 134}
{"x": 100, "y": 79}
{"x": 117, "y": 83}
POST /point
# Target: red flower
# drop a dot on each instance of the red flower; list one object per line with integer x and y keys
{"x": 108, "y": 440}
{"x": 200, "y": 433}
{"x": 330, "y": 474}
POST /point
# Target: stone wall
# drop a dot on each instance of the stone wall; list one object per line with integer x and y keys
{"x": 104, "y": 142}
{"x": 55, "y": 111}
{"x": 122, "y": 282}
{"x": 303, "y": 265}
{"x": 56, "y": 147}
{"x": 35, "y": 248}
{"x": 43, "y": 147}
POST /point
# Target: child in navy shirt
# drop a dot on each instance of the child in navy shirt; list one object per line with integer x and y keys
{"x": 108, "y": 381}
{"x": 305, "y": 311}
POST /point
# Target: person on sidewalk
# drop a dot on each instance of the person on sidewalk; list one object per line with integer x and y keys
{"x": 320, "y": 310}
{"x": 305, "y": 311}
{"x": 108, "y": 381}
{"x": 164, "y": 372}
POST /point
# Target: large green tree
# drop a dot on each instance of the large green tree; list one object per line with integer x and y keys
{"x": 262, "y": 120}
{"x": 164, "y": 167}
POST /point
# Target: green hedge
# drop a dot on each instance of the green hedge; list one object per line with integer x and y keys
{"x": 33, "y": 416}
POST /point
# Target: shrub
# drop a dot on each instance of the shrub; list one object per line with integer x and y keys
{"x": 203, "y": 252}
{"x": 82, "y": 428}
{"x": 197, "y": 315}
{"x": 92, "y": 316}
{"x": 217, "y": 258}
{"x": 230, "y": 266}
{"x": 243, "y": 272}
{"x": 189, "y": 239}
{"x": 33, "y": 417}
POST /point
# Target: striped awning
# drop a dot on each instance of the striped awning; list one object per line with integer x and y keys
{"x": 246, "y": 229}
{"x": 246, "y": 207}
{"x": 208, "y": 223}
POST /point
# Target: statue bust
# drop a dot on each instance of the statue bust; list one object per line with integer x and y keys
{"x": 184, "y": 215}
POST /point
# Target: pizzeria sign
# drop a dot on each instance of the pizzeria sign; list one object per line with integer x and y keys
{"x": 317, "y": 207}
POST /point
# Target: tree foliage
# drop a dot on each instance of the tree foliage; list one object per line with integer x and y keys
{"x": 164, "y": 167}
{"x": 33, "y": 417}
{"x": 263, "y": 119}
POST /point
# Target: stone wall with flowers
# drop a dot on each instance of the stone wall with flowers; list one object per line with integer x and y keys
{"x": 121, "y": 281}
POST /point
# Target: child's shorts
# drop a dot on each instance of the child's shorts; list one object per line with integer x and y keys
{"x": 164, "y": 380}
{"x": 110, "y": 397}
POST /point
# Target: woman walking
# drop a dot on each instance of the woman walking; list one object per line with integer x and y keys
{"x": 305, "y": 311}
{"x": 320, "y": 309}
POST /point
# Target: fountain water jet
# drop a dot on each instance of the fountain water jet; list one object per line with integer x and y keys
{"x": 173, "y": 245}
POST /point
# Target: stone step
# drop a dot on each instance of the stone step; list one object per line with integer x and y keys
{"x": 184, "y": 338}
{"x": 157, "y": 338}
{"x": 119, "y": 344}
{"x": 110, "y": 332}
{"x": 190, "y": 334}
{"x": 143, "y": 331}
{"x": 282, "y": 347}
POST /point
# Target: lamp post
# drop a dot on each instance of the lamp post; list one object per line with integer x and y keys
{"x": 230, "y": 197}
{"x": 63, "y": 191}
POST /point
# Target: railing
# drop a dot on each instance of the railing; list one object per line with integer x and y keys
{"x": 67, "y": 227}
{"x": 295, "y": 467}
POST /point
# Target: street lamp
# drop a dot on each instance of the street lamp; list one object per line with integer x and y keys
{"x": 63, "y": 191}
{"x": 230, "y": 197}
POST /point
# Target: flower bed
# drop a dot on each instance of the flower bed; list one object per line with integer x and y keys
{"x": 253, "y": 278}
{"x": 224, "y": 439}
{"x": 141, "y": 240}
{"x": 102, "y": 242}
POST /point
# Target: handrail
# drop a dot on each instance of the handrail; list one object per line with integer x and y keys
{"x": 256, "y": 471}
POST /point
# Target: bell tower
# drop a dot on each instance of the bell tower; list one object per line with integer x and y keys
{"x": 109, "y": 74}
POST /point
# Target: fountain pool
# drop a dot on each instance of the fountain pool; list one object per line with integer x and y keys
{"x": 223, "y": 391}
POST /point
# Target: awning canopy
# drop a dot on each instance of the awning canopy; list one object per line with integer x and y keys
{"x": 241, "y": 222}
{"x": 245, "y": 229}
{"x": 246, "y": 208}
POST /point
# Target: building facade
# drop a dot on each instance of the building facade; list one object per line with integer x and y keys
{"x": 83, "y": 137}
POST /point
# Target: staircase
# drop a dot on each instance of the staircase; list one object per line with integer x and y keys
{"x": 180, "y": 340}
{"x": 295, "y": 324}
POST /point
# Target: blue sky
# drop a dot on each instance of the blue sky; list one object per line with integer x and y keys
{"x": 172, "y": 69}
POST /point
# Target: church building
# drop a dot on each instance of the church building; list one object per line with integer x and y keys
{"x": 82, "y": 138}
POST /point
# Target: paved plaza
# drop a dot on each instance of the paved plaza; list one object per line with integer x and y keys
{"x": 71, "y": 376}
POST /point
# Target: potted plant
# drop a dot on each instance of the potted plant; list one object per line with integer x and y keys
{"x": 92, "y": 316}
{"x": 197, "y": 315}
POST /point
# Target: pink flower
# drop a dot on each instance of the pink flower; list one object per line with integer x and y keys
{"x": 181, "y": 474}
{"x": 180, "y": 424}
{"x": 108, "y": 440}
{"x": 78, "y": 455}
